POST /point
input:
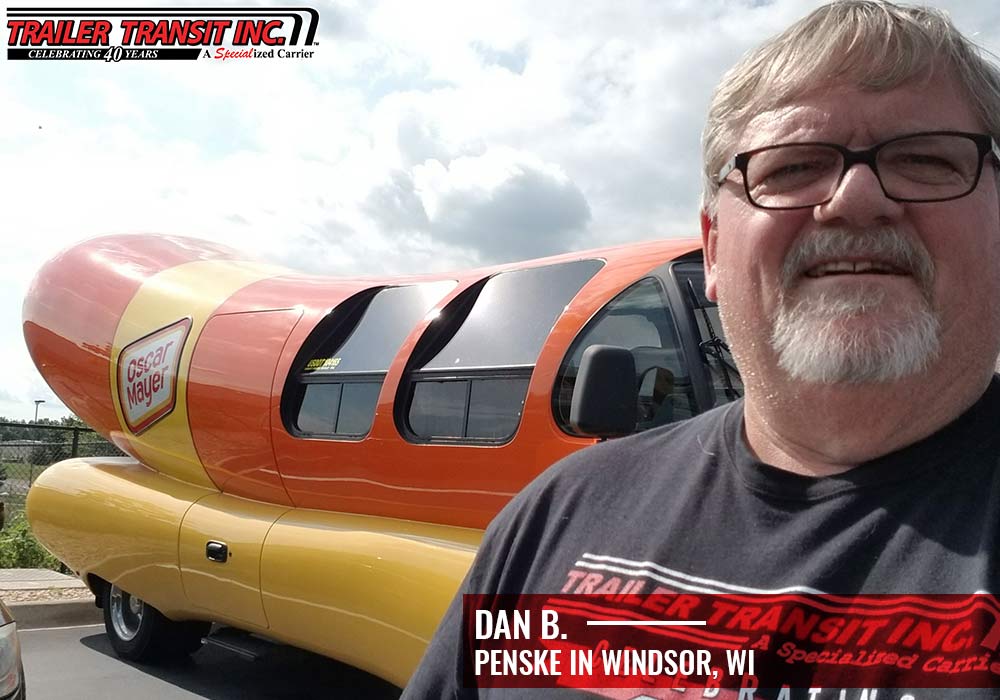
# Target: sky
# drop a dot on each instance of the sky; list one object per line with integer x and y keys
{"x": 422, "y": 136}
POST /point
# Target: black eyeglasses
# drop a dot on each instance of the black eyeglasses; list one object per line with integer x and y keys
{"x": 932, "y": 166}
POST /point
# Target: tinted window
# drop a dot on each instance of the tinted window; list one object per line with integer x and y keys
{"x": 318, "y": 413}
{"x": 474, "y": 386}
{"x": 375, "y": 341}
{"x": 475, "y": 408}
{"x": 438, "y": 409}
{"x": 638, "y": 319}
{"x": 357, "y": 407}
{"x": 513, "y": 316}
{"x": 335, "y": 389}
{"x": 495, "y": 407}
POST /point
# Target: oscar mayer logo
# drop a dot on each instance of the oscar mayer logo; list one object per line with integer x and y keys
{"x": 147, "y": 375}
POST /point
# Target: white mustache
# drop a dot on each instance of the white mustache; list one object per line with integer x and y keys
{"x": 884, "y": 244}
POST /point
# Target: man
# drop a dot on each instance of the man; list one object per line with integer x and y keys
{"x": 851, "y": 226}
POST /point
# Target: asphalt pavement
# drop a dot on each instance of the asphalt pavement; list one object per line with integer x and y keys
{"x": 78, "y": 663}
{"x": 66, "y": 654}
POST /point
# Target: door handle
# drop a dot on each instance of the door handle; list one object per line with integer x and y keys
{"x": 217, "y": 551}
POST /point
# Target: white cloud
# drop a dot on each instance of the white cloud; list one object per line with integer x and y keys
{"x": 504, "y": 204}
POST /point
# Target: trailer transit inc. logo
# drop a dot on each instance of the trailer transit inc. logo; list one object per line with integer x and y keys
{"x": 114, "y": 34}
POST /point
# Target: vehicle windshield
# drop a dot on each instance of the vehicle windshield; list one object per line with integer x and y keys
{"x": 715, "y": 351}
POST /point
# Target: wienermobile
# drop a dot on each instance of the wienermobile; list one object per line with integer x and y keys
{"x": 313, "y": 460}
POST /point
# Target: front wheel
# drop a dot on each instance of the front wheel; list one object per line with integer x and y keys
{"x": 139, "y": 632}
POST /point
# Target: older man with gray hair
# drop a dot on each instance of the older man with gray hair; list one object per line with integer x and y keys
{"x": 851, "y": 226}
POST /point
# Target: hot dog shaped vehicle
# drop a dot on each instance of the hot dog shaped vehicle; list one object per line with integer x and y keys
{"x": 314, "y": 459}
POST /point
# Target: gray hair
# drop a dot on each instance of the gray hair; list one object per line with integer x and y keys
{"x": 872, "y": 44}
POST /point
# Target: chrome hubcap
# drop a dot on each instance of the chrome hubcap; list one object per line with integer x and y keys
{"x": 126, "y": 613}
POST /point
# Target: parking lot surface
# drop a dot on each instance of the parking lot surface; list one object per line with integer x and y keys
{"x": 77, "y": 662}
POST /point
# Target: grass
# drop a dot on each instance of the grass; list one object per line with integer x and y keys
{"x": 19, "y": 549}
{"x": 21, "y": 471}
{"x": 14, "y": 490}
{"x": 13, "y": 504}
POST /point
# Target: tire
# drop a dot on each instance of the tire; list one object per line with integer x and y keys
{"x": 139, "y": 632}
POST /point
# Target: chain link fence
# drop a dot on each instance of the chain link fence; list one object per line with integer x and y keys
{"x": 27, "y": 449}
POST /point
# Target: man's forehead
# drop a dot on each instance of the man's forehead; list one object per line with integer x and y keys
{"x": 842, "y": 112}
{"x": 788, "y": 122}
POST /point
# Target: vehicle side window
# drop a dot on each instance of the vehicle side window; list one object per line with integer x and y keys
{"x": 318, "y": 412}
{"x": 335, "y": 385}
{"x": 470, "y": 375}
{"x": 638, "y": 319}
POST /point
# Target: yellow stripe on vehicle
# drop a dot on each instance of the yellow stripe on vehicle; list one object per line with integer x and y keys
{"x": 191, "y": 290}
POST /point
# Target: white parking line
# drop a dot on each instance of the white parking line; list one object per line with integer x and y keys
{"x": 50, "y": 629}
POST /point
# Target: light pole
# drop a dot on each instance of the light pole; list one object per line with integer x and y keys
{"x": 37, "y": 402}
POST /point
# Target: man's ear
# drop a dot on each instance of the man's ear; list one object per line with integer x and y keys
{"x": 709, "y": 239}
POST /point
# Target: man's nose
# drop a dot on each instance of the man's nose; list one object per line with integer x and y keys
{"x": 859, "y": 201}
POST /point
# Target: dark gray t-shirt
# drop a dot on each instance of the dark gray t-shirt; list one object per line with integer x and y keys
{"x": 688, "y": 507}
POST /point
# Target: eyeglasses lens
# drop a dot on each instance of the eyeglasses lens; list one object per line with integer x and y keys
{"x": 917, "y": 168}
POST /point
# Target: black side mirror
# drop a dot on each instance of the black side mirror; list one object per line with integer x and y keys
{"x": 606, "y": 393}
